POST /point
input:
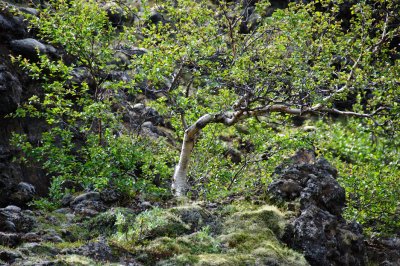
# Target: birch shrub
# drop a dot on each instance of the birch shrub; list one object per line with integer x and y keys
{"x": 86, "y": 141}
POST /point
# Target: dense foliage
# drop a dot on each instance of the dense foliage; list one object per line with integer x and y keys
{"x": 204, "y": 57}
{"x": 87, "y": 142}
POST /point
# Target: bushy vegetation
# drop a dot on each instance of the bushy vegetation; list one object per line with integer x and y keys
{"x": 87, "y": 141}
{"x": 203, "y": 57}
{"x": 369, "y": 170}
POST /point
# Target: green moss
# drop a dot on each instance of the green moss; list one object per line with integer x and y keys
{"x": 209, "y": 260}
{"x": 105, "y": 223}
{"x": 146, "y": 226}
{"x": 180, "y": 260}
{"x": 253, "y": 234}
{"x": 5, "y": 248}
{"x": 196, "y": 243}
{"x": 39, "y": 248}
{"x": 194, "y": 216}
{"x": 69, "y": 227}
{"x": 265, "y": 216}
{"x": 77, "y": 260}
{"x": 249, "y": 235}
{"x": 78, "y": 232}
{"x": 224, "y": 260}
{"x": 64, "y": 245}
{"x": 172, "y": 226}
{"x": 51, "y": 220}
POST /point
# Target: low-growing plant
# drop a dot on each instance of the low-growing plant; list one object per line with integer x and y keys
{"x": 138, "y": 231}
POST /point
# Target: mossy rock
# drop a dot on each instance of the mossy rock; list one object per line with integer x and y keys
{"x": 170, "y": 225}
{"x": 196, "y": 217}
{"x": 147, "y": 226}
{"x": 252, "y": 237}
{"x": 196, "y": 243}
{"x": 209, "y": 260}
{"x": 249, "y": 235}
{"x": 263, "y": 217}
{"x": 76, "y": 260}
{"x": 39, "y": 249}
{"x": 105, "y": 223}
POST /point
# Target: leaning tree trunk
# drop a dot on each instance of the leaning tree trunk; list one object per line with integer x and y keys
{"x": 180, "y": 185}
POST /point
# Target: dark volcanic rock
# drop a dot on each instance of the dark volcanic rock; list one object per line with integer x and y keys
{"x": 89, "y": 208}
{"x": 9, "y": 175}
{"x": 384, "y": 251}
{"x": 325, "y": 240}
{"x": 30, "y": 47}
{"x": 88, "y": 204}
{"x": 110, "y": 195}
{"x": 9, "y": 239}
{"x": 98, "y": 250}
{"x": 12, "y": 219}
{"x": 71, "y": 186}
{"x": 92, "y": 196}
{"x": 9, "y": 256}
{"x": 24, "y": 192}
{"x": 11, "y": 26}
{"x": 115, "y": 14}
{"x": 313, "y": 183}
{"x": 10, "y": 91}
{"x": 319, "y": 229}
{"x": 82, "y": 75}
{"x": 16, "y": 87}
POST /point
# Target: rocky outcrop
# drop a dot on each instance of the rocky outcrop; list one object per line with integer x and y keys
{"x": 18, "y": 183}
{"x": 14, "y": 220}
{"x": 10, "y": 91}
{"x": 310, "y": 187}
{"x": 30, "y": 48}
{"x": 384, "y": 251}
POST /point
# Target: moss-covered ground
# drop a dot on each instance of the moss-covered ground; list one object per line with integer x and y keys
{"x": 189, "y": 234}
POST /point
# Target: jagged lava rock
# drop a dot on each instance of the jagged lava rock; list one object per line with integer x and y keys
{"x": 319, "y": 229}
{"x": 13, "y": 219}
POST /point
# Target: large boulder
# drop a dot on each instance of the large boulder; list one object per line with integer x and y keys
{"x": 98, "y": 250}
{"x": 309, "y": 184}
{"x": 23, "y": 193}
{"x": 13, "y": 219}
{"x": 10, "y": 91}
{"x": 11, "y": 26}
{"x": 9, "y": 175}
{"x": 384, "y": 251}
{"x": 29, "y": 48}
{"x": 9, "y": 256}
{"x": 311, "y": 181}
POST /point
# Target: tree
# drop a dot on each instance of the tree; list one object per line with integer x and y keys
{"x": 223, "y": 74}
{"x": 224, "y": 62}
{"x": 80, "y": 100}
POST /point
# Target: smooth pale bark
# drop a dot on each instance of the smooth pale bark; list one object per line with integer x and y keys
{"x": 180, "y": 181}
{"x": 180, "y": 185}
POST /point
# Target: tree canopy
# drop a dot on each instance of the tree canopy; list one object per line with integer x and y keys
{"x": 207, "y": 66}
{"x": 301, "y": 60}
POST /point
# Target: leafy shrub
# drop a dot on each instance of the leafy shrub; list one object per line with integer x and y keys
{"x": 149, "y": 224}
{"x": 369, "y": 169}
{"x": 86, "y": 141}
